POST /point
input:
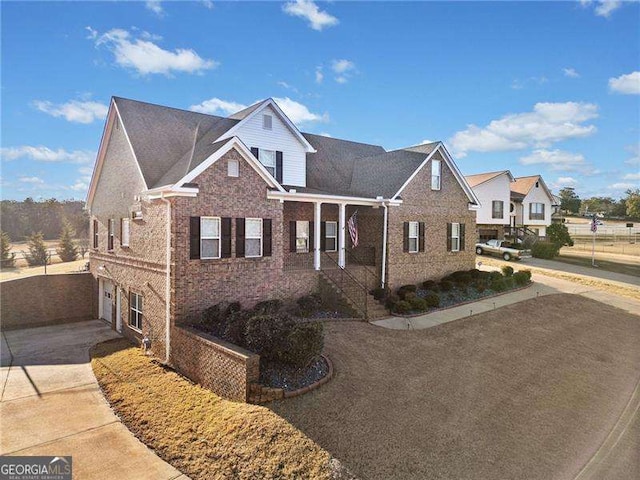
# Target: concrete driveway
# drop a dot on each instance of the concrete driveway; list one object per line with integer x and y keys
{"x": 51, "y": 405}
{"x": 533, "y": 390}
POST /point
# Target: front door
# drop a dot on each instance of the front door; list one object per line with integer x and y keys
{"x": 118, "y": 309}
{"x": 107, "y": 301}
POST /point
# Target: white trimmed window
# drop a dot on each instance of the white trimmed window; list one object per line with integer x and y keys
{"x": 233, "y": 168}
{"x": 267, "y": 122}
{"x": 125, "y": 233}
{"x": 414, "y": 233}
{"x": 209, "y": 237}
{"x": 135, "y": 311}
{"x": 268, "y": 159}
{"x": 436, "y": 174}
{"x": 455, "y": 237}
{"x": 331, "y": 237}
{"x": 497, "y": 209}
{"x": 302, "y": 236}
{"x": 536, "y": 211}
{"x": 253, "y": 237}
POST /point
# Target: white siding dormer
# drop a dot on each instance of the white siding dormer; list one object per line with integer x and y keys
{"x": 497, "y": 189}
{"x": 279, "y": 138}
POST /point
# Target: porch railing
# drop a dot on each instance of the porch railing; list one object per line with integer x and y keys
{"x": 355, "y": 291}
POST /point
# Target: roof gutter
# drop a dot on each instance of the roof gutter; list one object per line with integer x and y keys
{"x": 294, "y": 196}
{"x": 171, "y": 191}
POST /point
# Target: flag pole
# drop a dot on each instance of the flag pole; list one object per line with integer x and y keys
{"x": 594, "y": 229}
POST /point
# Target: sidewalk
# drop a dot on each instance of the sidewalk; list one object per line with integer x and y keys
{"x": 542, "y": 285}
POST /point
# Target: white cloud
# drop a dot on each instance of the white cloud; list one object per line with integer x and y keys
{"x": 32, "y": 180}
{"x": 548, "y": 123}
{"x": 74, "y": 111}
{"x": 319, "y": 75}
{"x": 145, "y": 57}
{"x": 207, "y": 4}
{"x": 606, "y": 7}
{"x": 628, "y": 84}
{"x": 44, "y": 154}
{"x": 325, "y": 134}
{"x": 570, "y": 72}
{"x": 566, "y": 182}
{"x": 155, "y": 6}
{"x": 309, "y": 11}
{"x": 217, "y": 106}
{"x": 622, "y": 186}
{"x": 559, "y": 160}
{"x": 631, "y": 176}
{"x": 296, "y": 111}
{"x": 423, "y": 142}
{"x": 634, "y": 149}
{"x": 343, "y": 69}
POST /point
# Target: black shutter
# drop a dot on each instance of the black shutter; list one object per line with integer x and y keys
{"x": 279, "y": 167}
{"x": 239, "y": 237}
{"x": 194, "y": 238}
{"x": 254, "y": 150}
{"x": 95, "y": 234}
{"x": 405, "y": 239}
{"x": 292, "y": 236}
{"x": 448, "y": 237}
{"x": 225, "y": 237}
{"x": 462, "y": 236}
{"x": 323, "y": 236}
{"x": 267, "y": 243}
{"x": 421, "y": 236}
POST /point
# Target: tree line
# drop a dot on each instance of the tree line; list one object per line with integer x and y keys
{"x": 628, "y": 207}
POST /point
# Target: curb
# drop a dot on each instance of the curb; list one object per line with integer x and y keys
{"x": 316, "y": 384}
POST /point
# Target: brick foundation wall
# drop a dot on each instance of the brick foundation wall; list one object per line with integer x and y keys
{"x": 222, "y": 367}
{"x": 46, "y": 300}
{"x": 436, "y": 209}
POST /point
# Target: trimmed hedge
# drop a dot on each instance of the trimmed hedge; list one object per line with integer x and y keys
{"x": 545, "y": 250}
{"x": 507, "y": 270}
{"x": 402, "y": 306}
{"x": 432, "y": 300}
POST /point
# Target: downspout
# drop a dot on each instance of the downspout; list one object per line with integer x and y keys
{"x": 167, "y": 293}
{"x": 384, "y": 244}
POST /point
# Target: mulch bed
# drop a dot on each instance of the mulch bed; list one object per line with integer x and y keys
{"x": 289, "y": 378}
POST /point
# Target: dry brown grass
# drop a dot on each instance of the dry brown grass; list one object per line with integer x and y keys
{"x": 198, "y": 432}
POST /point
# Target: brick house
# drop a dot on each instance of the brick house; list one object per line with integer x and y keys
{"x": 189, "y": 209}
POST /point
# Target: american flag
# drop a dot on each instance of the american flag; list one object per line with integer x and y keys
{"x": 352, "y": 223}
{"x": 594, "y": 224}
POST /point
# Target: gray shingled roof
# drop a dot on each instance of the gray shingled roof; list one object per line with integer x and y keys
{"x": 242, "y": 114}
{"x": 162, "y": 137}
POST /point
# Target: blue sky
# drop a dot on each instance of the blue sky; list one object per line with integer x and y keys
{"x": 538, "y": 87}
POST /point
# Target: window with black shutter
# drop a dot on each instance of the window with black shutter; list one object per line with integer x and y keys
{"x": 240, "y": 237}
{"x": 194, "y": 238}
{"x": 95, "y": 234}
{"x": 279, "y": 167}
{"x": 421, "y": 236}
{"x": 449, "y": 228}
{"x": 226, "y": 237}
{"x": 462, "y": 237}
{"x": 405, "y": 237}
{"x": 267, "y": 242}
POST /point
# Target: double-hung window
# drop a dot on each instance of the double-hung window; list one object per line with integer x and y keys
{"x": 95, "y": 234}
{"x": 135, "y": 312}
{"x": 209, "y": 237}
{"x": 112, "y": 225}
{"x": 302, "y": 236}
{"x": 125, "y": 228}
{"x": 455, "y": 237}
{"x": 497, "y": 209}
{"x": 436, "y": 174}
{"x": 253, "y": 237}
{"x": 268, "y": 159}
{"x": 414, "y": 233}
{"x": 536, "y": 211}
{"x": 331, "y": 237}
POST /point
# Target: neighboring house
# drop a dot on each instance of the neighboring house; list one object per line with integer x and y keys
{"x": 493, "y": 189}
{"x": 531, "y": 203}
{"x": 189, "y": 209}
{"x": 511, "y": 206}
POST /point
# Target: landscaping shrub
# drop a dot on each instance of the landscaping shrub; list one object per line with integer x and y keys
{"x": 481, "y": 287}
{"x": 429, "y": 285}
{"x": 522, "y": 277}
{"x": 445, "y": 285}
{"x": 432, "y": 300}
{"x": 493, "y": 276}
{"x": 499, "y": 285}
{"x": 233, "y": 307}
{"x": 418, "y": 304}
{"x": 507, "y": 270}
{"x": 403, "y": 290}
{"x": 391, "y": 300}
{"x": 267, "y": 307}
{"x": 408, "y": 296}
{"x": 304, "y": 342}
{"x": 234, "y": 328}
{"x": 380, "y": 293}
{"x": 475, "y": 273}
{"x": 545, "y": 250}
{"x": 213, "y": 316}
{"x": 464, "y": 279}
{"x": 308, "y": 304}
{"x": 402, "y": 307}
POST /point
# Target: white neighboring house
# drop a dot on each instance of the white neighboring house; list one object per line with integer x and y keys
{"x": 531, "y": 204}
{"x": 493, "y": 189}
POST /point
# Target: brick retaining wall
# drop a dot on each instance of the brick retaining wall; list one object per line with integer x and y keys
{"x": 47, "y": 300}
{"x": 222, "y": 367}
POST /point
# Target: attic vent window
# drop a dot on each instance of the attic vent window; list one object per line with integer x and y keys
{"x": 267, "y": 122}
{"x": 233, "y": 168}
{"x": 537, "y": 184}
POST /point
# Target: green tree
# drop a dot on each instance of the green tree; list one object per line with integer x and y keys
{"x": 67, "y": 250}
{"x": 569, "y": 200}
{"x": 633, "y": 203}
{"x": 558, "y": 234}
{"x": 8, "y": 257}
{"x": 38, "y": 254}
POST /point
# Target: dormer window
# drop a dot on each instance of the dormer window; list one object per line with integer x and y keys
{"x": 436, "y": 174}
{"x": 537, "y": 184}
{"x": 268, "y": 159}
{"x": 267, "y": 122}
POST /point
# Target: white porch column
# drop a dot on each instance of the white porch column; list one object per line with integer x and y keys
{"x": 317, "y": 209}
{"x": 341, "y": 235}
